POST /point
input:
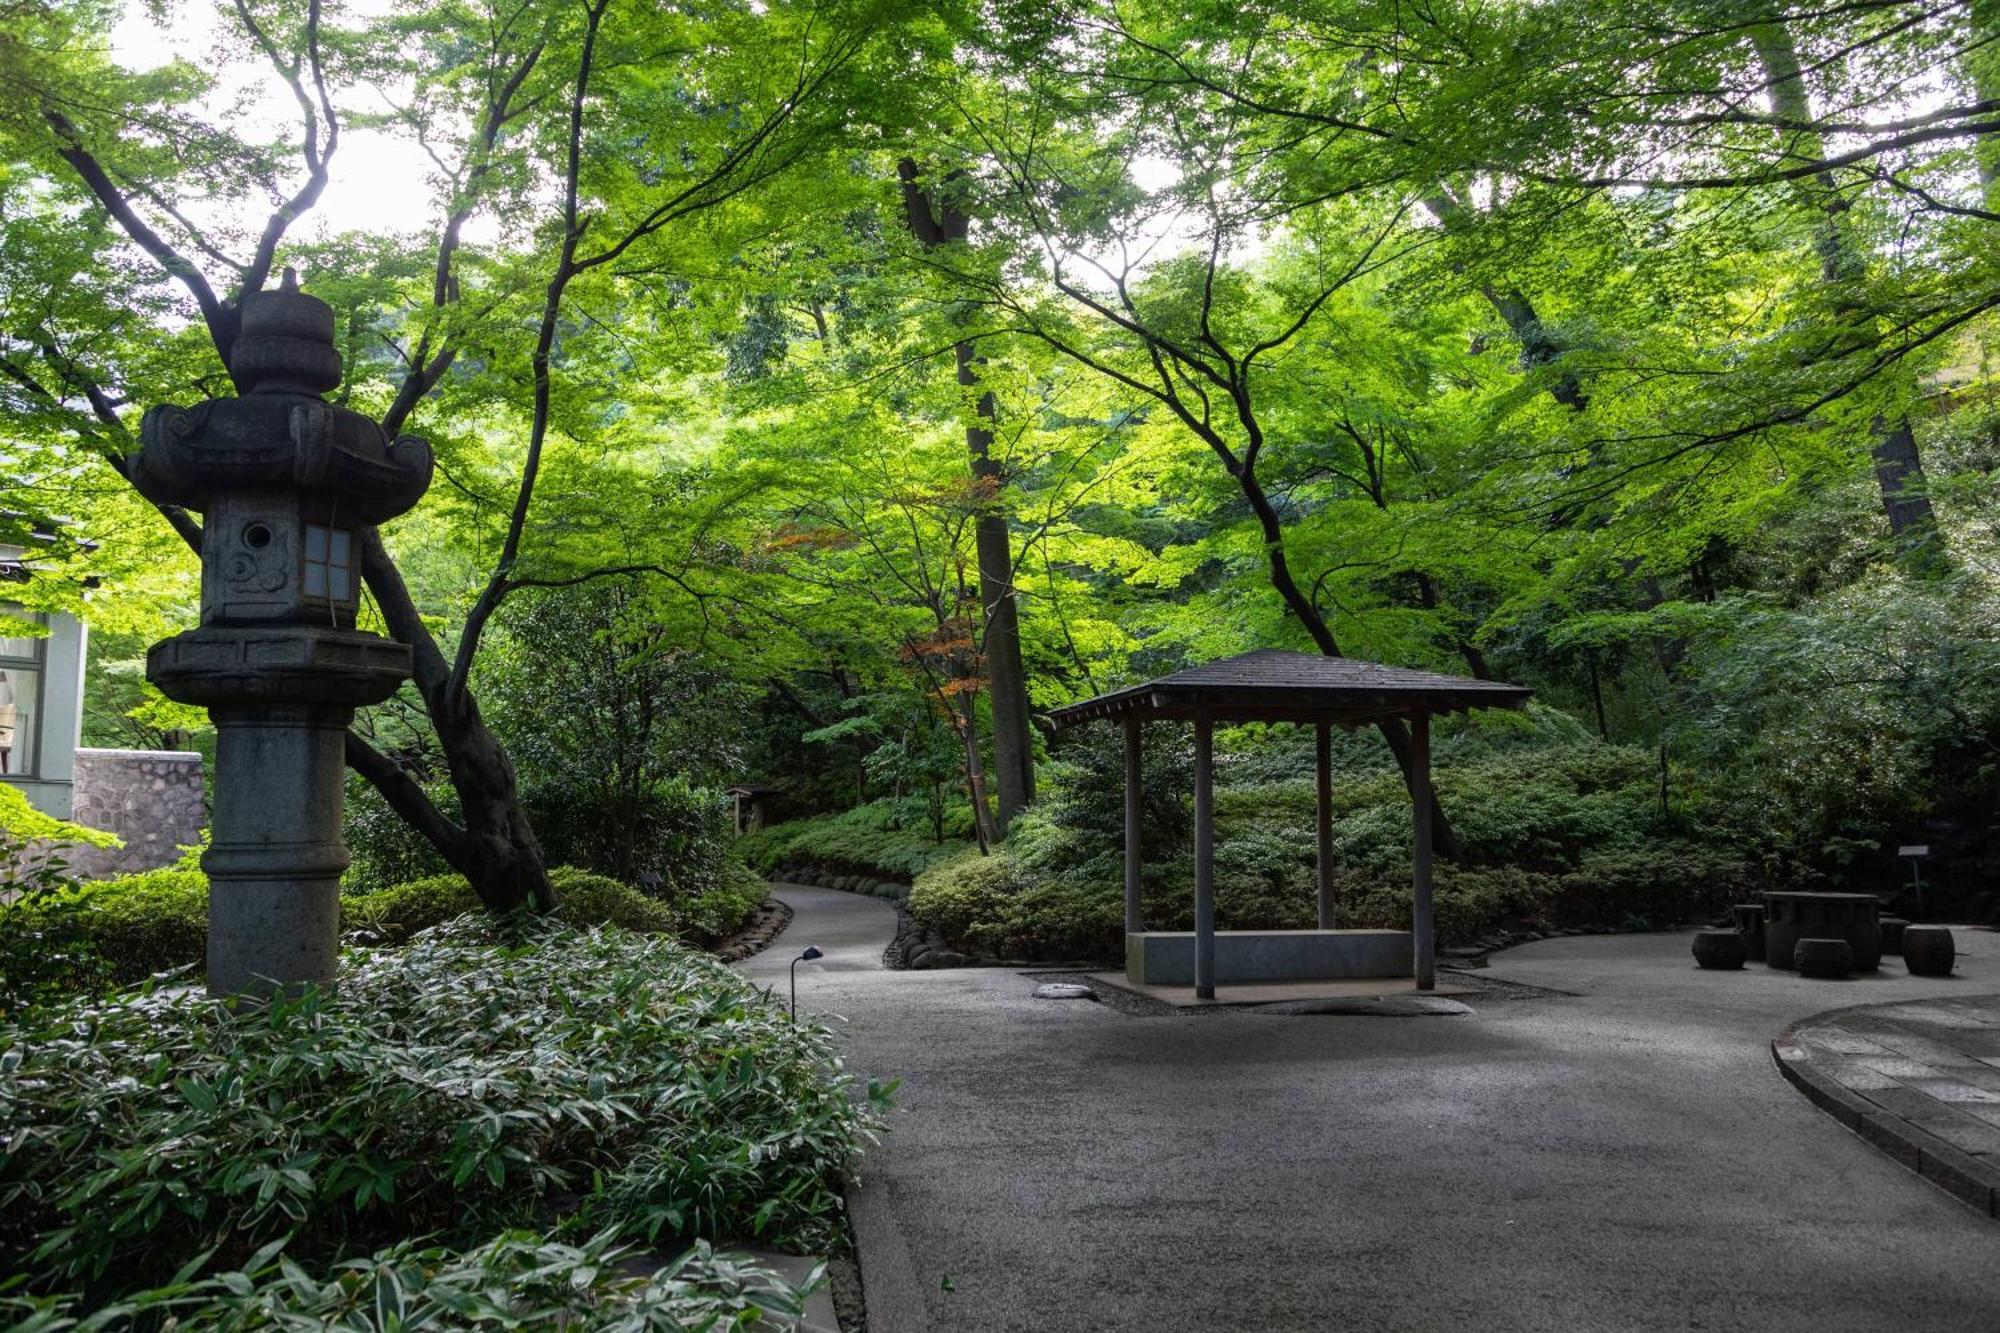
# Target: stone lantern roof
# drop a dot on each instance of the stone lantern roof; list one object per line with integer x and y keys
{"x": 281, "y": 435}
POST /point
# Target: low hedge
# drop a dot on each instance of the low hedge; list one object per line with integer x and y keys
{"x": 121, "y": 931}
{"x": 1559, "y": 830}
{"x": 998, "y": 906}
{"x": 392, "y": 915}
{"x": 562, "y": 1090}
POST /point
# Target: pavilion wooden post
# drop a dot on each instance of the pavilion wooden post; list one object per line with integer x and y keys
{"x": 1134, "y": 779}
{"x": 1204, "y": 856}
{"x": 1323, "y": 821}
{"x": 1425, "y": 945}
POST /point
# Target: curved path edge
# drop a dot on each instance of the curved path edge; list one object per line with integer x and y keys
{"x": 1919, "y": 1080}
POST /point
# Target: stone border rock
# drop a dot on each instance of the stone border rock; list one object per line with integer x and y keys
{"x": 767, "y": 921}
{"x": 1971, "y": 1178}
{"x": 916, "y": 949}
{"x": 814, "y": 875}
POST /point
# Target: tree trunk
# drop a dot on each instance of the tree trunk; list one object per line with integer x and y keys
{"x": 1896, "y": 464}
{"x": 1982, "y": 60}
{"x": 937, "y": 222}
{"x": 1899, "y": 469}
{"x": 1475, "y": 660}
{"x": 975, "y": 775}
{"x": 1006, "y": 677}
{"x": 494, "y": 847}
{"x": 1287, "y": 587}
{"x": 1539, "y": 347}
{"x": 1597, "y": 699}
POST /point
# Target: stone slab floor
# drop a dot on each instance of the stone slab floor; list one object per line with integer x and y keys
{"x": 1628, "y": 1158}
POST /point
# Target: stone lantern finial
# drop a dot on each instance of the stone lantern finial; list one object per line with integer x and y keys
{"x": 284, "y": 482}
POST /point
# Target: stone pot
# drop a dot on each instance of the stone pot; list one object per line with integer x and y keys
{"x": 1892, "y": 934}
{"x": 1825, "y": 959}
{"x": 1720, "y": 950}
{"x": 1928, "y": 951}
{"x": 1749, "y": 919}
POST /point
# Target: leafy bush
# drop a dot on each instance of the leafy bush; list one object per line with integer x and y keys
{"x": 618, "y": 732}
{"x": 149, "y": 922}
{"x": 884, "y": 839}
{"x": 965, "y": 898}
{"x": 452, "y": 1089}
{"x": 45, "y": 950}
{"x": 79, "y": 937}
{"x": 722, "y": 906}
{"x": 670, "y": 833}
{"x": 383, "y": 848}
{"x": 1085, "y": 787}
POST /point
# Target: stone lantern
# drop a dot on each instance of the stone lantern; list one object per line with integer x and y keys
{"x": 284, "y": 481}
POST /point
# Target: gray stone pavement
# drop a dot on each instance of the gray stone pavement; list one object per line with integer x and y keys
{"x": 1918, "y": 1079}
{"x": 1625, "y": 1159}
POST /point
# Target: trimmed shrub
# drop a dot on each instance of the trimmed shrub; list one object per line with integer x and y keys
{"x": 725, "y": 904}
{"x": 80, "y": 937}
{"x": 147, "y": 923}
{"x": 394, "y": 914}
{"x": 967, "y": 896}
{"x": 120, "y": 931}
{"x": 1563, "y": 832}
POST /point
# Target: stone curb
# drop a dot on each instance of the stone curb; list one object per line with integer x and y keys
{"x": 891, "y": 1289}
{"x": 768, "y": 921}
{"x": 1973, "y": 1181}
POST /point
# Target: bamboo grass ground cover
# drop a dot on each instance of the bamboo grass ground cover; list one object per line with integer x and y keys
{"x": 468, "y": 1130}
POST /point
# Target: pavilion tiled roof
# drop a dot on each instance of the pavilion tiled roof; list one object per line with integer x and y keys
{"x": 1273, "y": 685}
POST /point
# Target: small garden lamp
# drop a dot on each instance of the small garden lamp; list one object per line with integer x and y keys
{"x": 812, "y": 952}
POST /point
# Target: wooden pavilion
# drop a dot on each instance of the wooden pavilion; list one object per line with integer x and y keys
{"x": 1271, "y": 685}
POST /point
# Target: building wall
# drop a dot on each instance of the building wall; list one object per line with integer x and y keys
{"x": 150, "y": 798}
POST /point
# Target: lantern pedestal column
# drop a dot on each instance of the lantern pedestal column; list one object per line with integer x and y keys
{"x": 281, "y": 697}
{"x": 274, "y": 879}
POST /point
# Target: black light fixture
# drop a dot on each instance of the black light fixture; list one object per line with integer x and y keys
{"x": 812, "y": 952}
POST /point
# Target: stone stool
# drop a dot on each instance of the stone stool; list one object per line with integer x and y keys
{"x": 1892, "y": 934}
{"x": 1720, "y": 949}
{"x": 1928, "y": 951}
{"x": 1749, "y": 919}
{"x": 1827, "y": 960}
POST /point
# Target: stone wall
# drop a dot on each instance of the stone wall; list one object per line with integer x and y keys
{"x": 150, "y": 798}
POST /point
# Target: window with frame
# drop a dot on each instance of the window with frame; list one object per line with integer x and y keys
{"x": 22, "y": 661}
{"x": 329, "y": 563}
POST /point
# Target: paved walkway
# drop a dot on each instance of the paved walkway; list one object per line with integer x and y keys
{"x": 1624, "y": 1159}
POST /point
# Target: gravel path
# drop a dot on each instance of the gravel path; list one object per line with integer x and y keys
{"x": 1628, "y": 1158}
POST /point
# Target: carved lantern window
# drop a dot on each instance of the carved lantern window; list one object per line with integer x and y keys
{"x": 329, "y": 564}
